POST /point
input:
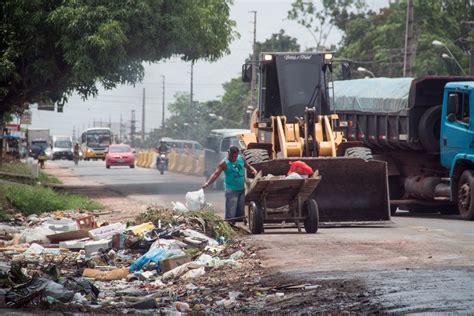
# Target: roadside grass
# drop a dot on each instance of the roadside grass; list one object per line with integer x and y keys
{"x": 36, "y": 199}
{"x": 20, "y": 168}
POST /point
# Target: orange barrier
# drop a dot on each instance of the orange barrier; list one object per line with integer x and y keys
{"x": 172, "y": 161}
{"x": 199, "y": 167}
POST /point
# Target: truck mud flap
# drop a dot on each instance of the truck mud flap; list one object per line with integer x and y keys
{"x": 351, "y": 191}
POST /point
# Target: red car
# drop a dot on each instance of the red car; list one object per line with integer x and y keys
{"x": 120, "y": 155}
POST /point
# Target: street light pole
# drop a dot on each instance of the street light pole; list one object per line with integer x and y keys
{"x": 438, "y": 43}
{"x": 163, "y": 106}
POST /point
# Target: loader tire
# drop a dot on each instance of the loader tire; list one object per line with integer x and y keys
{"x": 255, "y": 219}
{"x": 466, "y": 195}
{"x": 359, "y": 152}
{"x": 429, "y": 129}
{"x": 256, "y": 155}
{"x": 311, "y": 222}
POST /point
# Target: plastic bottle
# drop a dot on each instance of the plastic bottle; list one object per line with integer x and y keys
{"x": 182, "y": 307}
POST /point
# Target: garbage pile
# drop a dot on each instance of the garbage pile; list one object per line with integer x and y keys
{"x": 167, "y": 260}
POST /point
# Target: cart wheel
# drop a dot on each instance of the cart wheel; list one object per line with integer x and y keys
{"x": 255, "y": 218}
{"x": 311, "y": 221}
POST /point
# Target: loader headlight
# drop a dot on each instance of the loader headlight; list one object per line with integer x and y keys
{"x": 268, "y": 57}
{"x": 328, "y": 57}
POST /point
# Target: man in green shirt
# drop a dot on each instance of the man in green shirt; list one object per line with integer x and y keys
{"x": 234, "y": 182}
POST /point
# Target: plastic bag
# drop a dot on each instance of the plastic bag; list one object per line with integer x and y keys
{"x": 300, "y": 168}
{"x": 193, "y": 273}
{"x": 192, "y": 233}
{"x": 155, "y": 255}
{"x": 195, "y": 200}
{"x": 37, "y": 234}
{"x": 293, "y": 175}
{"x": 179, "y": 207}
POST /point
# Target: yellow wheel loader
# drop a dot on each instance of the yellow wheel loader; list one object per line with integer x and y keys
{"x": 293, "y": 121}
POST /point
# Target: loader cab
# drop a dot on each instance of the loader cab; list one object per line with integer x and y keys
{"x": 290, "y": 82}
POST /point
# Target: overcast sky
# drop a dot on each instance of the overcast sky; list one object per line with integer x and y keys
{"x": 208, "y": 77}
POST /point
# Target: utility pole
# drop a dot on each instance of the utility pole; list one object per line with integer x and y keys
{"x": 163, "y": 107}
{"x": 120, "y": 128}
{"x": 409, "y": 40}
{"x": 110, "y": 122}
{"x": 74, "y": 133}
{"x": 132, "y": 128}
{"x": 191, "y": 94}
{"x": 143, "y": 116}
{"x": 253, "y": 83}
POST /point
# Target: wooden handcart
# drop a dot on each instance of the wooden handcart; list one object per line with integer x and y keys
{"x": 281, "y": 203}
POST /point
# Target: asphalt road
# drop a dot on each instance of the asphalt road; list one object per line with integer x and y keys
{"x": 420, "y": 263}
{"x": 140, "y": 184}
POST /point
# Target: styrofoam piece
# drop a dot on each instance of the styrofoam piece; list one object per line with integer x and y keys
{"x": 62, "y": 225}
{"x": 92, "y": 246}
{"x": 108, "y": 231}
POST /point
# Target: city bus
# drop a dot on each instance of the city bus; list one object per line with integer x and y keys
{"x": 95, "y": 141}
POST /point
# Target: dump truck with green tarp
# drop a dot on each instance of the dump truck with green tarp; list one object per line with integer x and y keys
{"x": 400, "y": 120}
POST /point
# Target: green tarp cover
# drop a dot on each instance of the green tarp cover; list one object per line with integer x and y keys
{"x": 378, "y": 95}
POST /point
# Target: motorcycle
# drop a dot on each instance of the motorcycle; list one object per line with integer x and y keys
{"x": 162, "y": 163}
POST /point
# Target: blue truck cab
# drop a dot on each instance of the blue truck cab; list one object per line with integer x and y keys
{"x": 457, "y": 143}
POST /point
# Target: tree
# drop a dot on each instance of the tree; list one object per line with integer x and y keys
{"x": 377, "y": 40}
{"x": 51, "y": 48}
{"x": 319, "y": 20}
{"x": 278, "y": 42}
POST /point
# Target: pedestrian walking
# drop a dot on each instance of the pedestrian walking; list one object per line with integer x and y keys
{"x": 234, "y": 182}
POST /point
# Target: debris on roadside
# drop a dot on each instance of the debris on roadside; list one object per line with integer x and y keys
{"x": 164, "y": 261}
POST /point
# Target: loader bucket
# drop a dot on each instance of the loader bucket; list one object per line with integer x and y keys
{"x": 351, "y": 191}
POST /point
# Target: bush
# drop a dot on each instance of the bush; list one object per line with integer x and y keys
{"x": 20, "y": 168}
{"x": 35, "y": 199}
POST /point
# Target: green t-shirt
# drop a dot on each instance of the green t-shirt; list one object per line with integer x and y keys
{"x": 234, "y": 174}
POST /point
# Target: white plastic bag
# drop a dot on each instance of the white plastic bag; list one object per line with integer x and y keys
{"x": 195, "y": 200}
{"x": 37, "y": 234}
{"x": 294, "y": 175}
{"x": 179, "y": 207}
{"x": 193, "y": 273}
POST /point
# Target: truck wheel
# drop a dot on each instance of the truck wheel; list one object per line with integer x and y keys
{"x": 359, "y": 152}
{"x": 429, "y": 127}
{"x": 255, "y": 218}
{"x": 256, "y": 155}
{"x": 465, "y": 195}
{"x": 311, "y": 222}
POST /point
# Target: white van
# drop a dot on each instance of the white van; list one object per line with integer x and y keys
{"x": 217, "y": 144}
{"x": 180, "y": 146}
{"x": 62, "y": 147}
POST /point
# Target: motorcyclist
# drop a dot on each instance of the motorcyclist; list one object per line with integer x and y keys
{"x": 162, "y": 149}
